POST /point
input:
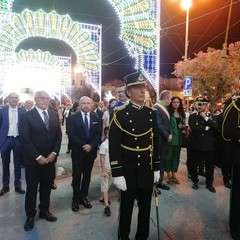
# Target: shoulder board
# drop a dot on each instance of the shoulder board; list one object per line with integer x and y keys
{"x": 235, "y": 97}
{"x": 151, "y": 108}
{"x": 116, "y": 109}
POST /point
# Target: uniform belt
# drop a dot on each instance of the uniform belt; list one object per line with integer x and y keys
{"x": 12, "y": 137}
{"x": 137, "y": 149}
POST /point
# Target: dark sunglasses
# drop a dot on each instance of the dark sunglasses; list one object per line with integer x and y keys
{"x": 202, "y": 103}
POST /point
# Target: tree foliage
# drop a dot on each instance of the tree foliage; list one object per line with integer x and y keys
{"x": 214, "y": 72}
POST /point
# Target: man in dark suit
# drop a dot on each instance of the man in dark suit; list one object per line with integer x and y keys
{"x": 231, "y": 133}
{"x": 164, "y": 131}
{"x": 84, "y": 132}
{"x": 9, "y": 141}
{"x": 41, "y": 136}
{"x": 134, "y": 157}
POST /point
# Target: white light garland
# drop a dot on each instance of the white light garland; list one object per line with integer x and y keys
{"x": 84, "y": 39}
{"x": 35, "y": 70}
{"x": 139, "y": 23}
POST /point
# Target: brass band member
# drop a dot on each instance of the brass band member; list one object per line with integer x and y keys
{"x": 133, "y": 149}
{"x": 231, "y": 133}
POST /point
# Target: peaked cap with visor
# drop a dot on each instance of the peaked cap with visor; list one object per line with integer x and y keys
{"x": 134, "y": 79}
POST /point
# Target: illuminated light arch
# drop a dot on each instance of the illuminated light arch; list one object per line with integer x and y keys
{"x": 84, "y": 39}
{"x": 6, "y": 5}
{"x": 139, "y": 23}
{"x": 41, "y": 70}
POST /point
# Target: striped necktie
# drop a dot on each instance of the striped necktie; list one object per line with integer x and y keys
{"x": 46, "y": 119}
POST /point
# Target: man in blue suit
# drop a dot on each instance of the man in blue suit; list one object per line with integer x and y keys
{"x": 41, "y": 136}
{"x": 84, "y": 133}
{"x": 9, "y": 141}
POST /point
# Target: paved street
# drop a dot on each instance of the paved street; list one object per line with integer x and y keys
{"x": 184, "y": 213}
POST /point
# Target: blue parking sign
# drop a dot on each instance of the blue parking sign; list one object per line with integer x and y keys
{"x": 187, "y": 86}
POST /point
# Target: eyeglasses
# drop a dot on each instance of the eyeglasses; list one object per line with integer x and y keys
{"x": 14, "y": 97}
{"x": 202, "y": 103}
{"x": 44, "y": 98}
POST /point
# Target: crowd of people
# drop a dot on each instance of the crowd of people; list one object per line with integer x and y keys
{"x": 138, "y": 141}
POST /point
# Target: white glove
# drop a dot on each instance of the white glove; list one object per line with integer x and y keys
{"x": 120, "y": 183}
{"x": 156, "y": 176}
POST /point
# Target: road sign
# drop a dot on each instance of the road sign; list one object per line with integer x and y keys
{"x": 187, "y": 86}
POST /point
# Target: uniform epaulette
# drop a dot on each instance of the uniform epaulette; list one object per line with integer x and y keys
{"x": 116, "y": 109}
{"x": 152, "y": 108}
{"x": 235, "y": 97}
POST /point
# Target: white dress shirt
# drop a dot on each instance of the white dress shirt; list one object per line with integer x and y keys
{"x": 13, "y": 122}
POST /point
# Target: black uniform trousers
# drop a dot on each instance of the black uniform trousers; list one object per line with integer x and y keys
{"x": 225, "y": 161}
{"x": 195, "y": 159}
{"x": 143, "y": 196}
{"x": 234, "y": 217}
{"x": 82, "y": 165}
{"x": 234, "y": 214}
{"x": 42, "y": 176}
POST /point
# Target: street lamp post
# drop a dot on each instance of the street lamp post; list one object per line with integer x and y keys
{"x": 224, "y": 51}
{"x": 186, "y": 4}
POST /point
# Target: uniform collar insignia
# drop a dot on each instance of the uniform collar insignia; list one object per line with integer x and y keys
{"x": 139, "y": 107}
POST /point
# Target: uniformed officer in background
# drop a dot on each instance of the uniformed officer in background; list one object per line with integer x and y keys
{"x": 133, "y": 149}
{"x": 231, "y": 133}
{"x": 201, "y": 142}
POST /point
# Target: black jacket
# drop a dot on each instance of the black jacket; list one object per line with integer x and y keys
{"x": 201, "y": 136}
{"x": 133, "y": 144}
{"x": 36, "y": 139}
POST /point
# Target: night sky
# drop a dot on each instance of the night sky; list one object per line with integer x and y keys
{"x": 207, "y": 27}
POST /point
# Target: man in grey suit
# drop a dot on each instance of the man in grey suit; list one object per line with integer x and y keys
{"x": 41, "y": 136}
{"x": 164, "y": 131}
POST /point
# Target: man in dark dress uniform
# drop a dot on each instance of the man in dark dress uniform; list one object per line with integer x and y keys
{"x": 231, "y": 133}
{"x": 133, "y": 149}
{"x": 201, "y": 142}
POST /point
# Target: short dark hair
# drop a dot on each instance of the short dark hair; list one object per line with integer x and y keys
{"x": 121, "y": 85}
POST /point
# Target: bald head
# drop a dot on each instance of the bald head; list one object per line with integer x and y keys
{"x": 85, "y": 104}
